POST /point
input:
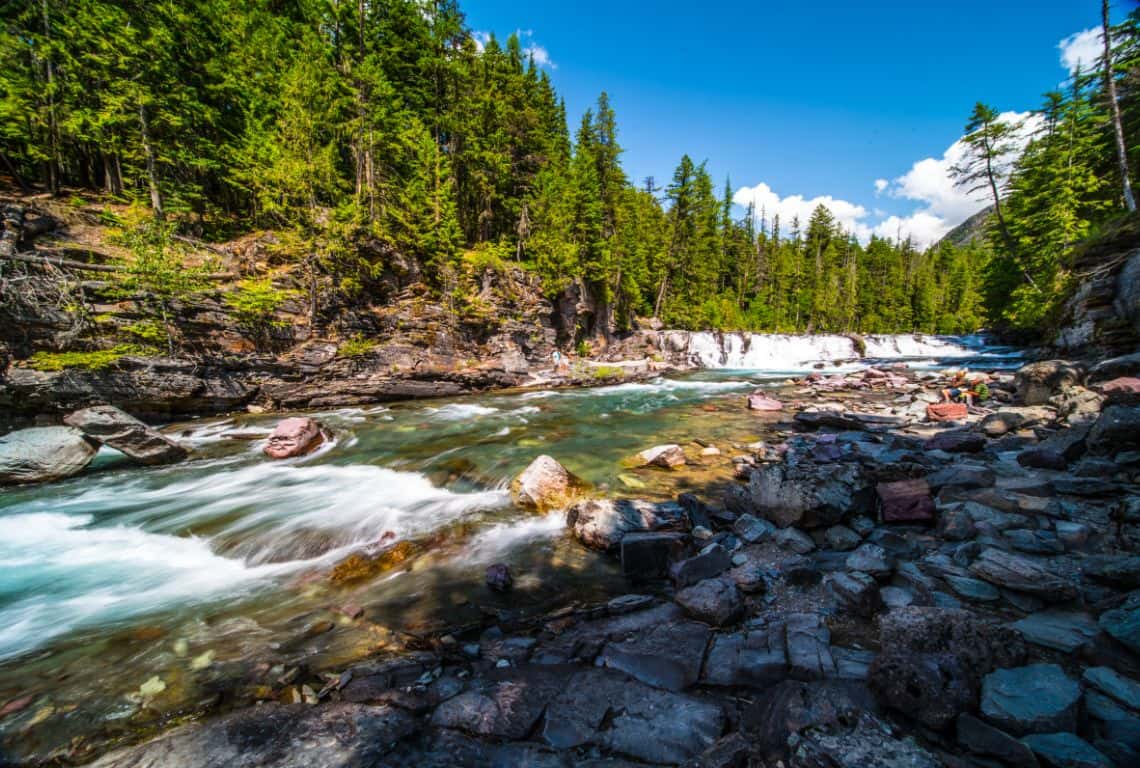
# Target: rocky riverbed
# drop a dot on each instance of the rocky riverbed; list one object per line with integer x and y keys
{"x": 881, "y": 581}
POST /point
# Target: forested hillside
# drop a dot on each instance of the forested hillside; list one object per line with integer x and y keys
{"x": 379, "y": 135}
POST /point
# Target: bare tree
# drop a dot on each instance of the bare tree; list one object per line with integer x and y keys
{"x": 1110, "y": 86}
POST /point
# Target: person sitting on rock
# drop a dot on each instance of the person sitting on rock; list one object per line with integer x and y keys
{"x": 958, "y": 389}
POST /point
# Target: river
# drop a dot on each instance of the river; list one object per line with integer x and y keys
{"x": 131, "y": 595}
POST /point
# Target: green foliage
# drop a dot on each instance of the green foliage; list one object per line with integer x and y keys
{"x": 90, "y": 361}
{"x": 148, "y": 332}
{"x": 255, "y": 302}
{"x": 357, "y": 346}
{"x": 607, "y": 372}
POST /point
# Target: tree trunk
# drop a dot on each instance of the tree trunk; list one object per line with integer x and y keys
{"x": 53, "y": 163}
{"x": 151, "y": 165}
{"x": 1110, "y": 85}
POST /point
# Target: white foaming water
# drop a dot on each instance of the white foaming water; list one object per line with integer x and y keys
{"x": 792, "y": 353}
{"x": 461, "y": 411}
{"x": 491, "y": 544}
{"x": 197, "y": 538}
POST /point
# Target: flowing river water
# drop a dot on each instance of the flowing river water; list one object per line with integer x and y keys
{"x": 131, "y": 595}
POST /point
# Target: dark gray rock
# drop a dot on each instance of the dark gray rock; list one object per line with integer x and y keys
{"x": 809, "y": 647}
{"x": 956, "y": 442}
{"x": 790, "y": 708}
{"x": 871, "y": 559}
{"x": 794, "y": 540}
{"x": 753, "y": 530}
{"x": 1023, "y": 575}
{"x": 856, "y": 591}
{"x": 283, "y": 736}
{"x": 506, "y": 704}
{"x": 932, "y": 688}
{"x": 1039, "y": 698}
{"x": 662, "y": 727}
{"x": 713, "y": 601}
{"x": 756, "y": 658}
{"x": 798, "y": 570}
{"x": 962, "y": 476}
{"x": 956, "y": 524}
{"x": 1065, "y": 750}
{"x": 852, "y": 663}
{"x": 1117, "y": 429}
{"x": 807, "y": 494}
{"x": 866, "y": 744}
{"x": 649, "y": 555}
{"x": 981, "y": 643}
{"x": 1120, "y": 571}
{"x": 110, "y": 426}
{"x": 1123, "y": 623}
{"x": 711, "y": 561}
{"x": 1042, "y": 458}
{"x": 1034, "y": 542}
{"x": 974, "y": 590}
{"x": 1065, "y": 631}
{"x": 841, "y": 538}
{"x": 1116, "y": 686}
{"x": 41, "y": 454}
{"x": 983, "y": 739}
{"x": 666, "y": 655}
{"x": 750, "y": 577}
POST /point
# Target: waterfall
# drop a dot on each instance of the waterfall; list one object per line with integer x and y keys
{"x": 791, "y": 353}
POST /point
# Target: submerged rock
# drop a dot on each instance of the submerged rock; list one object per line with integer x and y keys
{"x": 760, "y": 402}
{"x": 295, "y": 436}
{"x": 499, "y": 578}
{"x": 544, "y": 485}
{"x": 41, "y": 454}
{"x": 664, "y": 456}
{"x": 110, "y": 426}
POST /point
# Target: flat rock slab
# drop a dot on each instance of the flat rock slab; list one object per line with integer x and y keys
{"x": 1060, "y": 630}
{"x": 906, "y": 501}
{"x": 981, "y": 738}
{"x": 1039, "y": 698}
{"x": 756, "y": 658}
{"x": 113, "y": 427}
{"x": 1111, "y": 683}
{"x": 809, "y": 647}
{"x": 278, "y": 735}
{"x": 507, "y": 704}
{"x": 713, "y": 601}
{"x": 667, "y": 655}
{"x": 41, "y": 454}
{"x": 1023, "y": 575}
{"x": 1066, "y": 750}
{"x": 1124, "y": 623}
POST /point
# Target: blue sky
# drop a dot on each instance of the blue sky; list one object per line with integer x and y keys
{"x": 817, "y": 100}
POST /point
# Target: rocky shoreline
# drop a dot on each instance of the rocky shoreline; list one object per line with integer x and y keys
{"x": 892, "y": 583}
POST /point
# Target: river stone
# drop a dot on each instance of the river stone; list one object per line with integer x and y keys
{"x": 545, "y": 484}
{"x": 1011, "y": 419}
{"x": 1066, "y": 750}
{"x": 1124, "y": 390}
{"x": 1042, "y": 458}
{"x": 294, "y": 436}
{"x": 807, "y": 494}
{"x": 713, "y": 601}
{"x": 956, "y": 442}
{"x": 962, "y": 476}
{"x": 1034, "y": 542}
{"x": 110, "y": 426}
{"x": 981, "y": 738}
{"x": 1117, "y": 429}
{"x": 940, "y": 412}
{"x": 649, "y": 555}
{"x": 666, "y": 655}
{"x": 1108, "y": 681}
{"x": 906, "y": 501}
{"x": 759, "y": 402}
{"x": 711, "y": 561}
{"x": 1037, "y": 382}
{"x": 1039, "y": 698}
{"x": 932, "y": 688}
{"x": 1120, "y": 571}
{"x": 283, "y": 736}
{"x": 973, "y": 589}
{"x": 661, "y": 727}
{"x": 665, "y": 456}
{"x": 1060, "y": 630}
{"x": 841, "y": 538}
{"x": 871, "y": 559}
{"x": 857, "y": 591}
{"x": 506, "y": 704}
{"x": 794, "y": 540}
{"x": 601, "y": 523}
{"x": 1023, "y": 575}
{"x": 752, "y": 529}
{"x": 757, "y": 658}
{"x": 809, "y": 647}
{"x": 41, "y": 454}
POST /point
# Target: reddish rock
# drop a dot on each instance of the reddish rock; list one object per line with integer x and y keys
{"x": 759, "y": 402}
{"x": 294, "y": 437}
{"x": 946, "y": 412}
{"x": 1122, "y": 391}
{"x": 16, "y": 705}
{"x": 906, "y": 501}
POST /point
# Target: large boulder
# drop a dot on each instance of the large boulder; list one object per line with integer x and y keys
{"x": 110, "y": 426}
{"x": 808, "y": 495}
{"x": 294, "y": 436}
{"x": 601, "y": 523}
{"x": 1077, "y": 405}
{"x": 544, "y": 485}
{"x": 1117, "y": 429}
{"x": 41, "y": 454}
{"x": 1039, "y": 381}
{"x": 761, "y": 402}
{"x": 713, "y": 601}
{"x": 1012, "y": 419}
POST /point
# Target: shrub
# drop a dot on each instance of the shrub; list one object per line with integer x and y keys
{"x": 357, "y": 346}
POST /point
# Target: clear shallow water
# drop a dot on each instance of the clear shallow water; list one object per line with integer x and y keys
{"x": 198, "y": 573}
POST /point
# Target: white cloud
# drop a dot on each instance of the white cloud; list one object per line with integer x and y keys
{"x": 1082, "y": 49}
{"x": 530, "y": 49}
{"x": 850, "y": 215}
{"x": 942, "y": 205}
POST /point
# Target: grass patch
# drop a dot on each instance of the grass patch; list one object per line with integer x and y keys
{"x": 88, "y": 361}
{"x": 357, "y": 346}
{"x": 608, "y": 372}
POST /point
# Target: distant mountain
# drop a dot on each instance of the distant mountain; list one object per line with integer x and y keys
{"x": 970, "y": 230}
